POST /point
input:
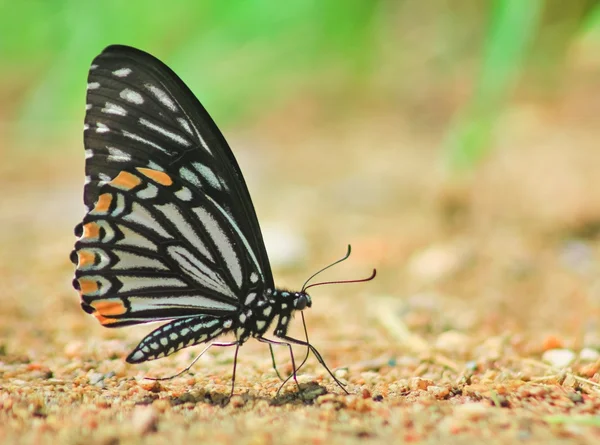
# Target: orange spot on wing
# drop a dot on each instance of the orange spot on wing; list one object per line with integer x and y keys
{"x": 161, "y": 177}
{"x": 125, "y": 181}
{"x": 87, "y": 286}
{"x": 111, "y": 307}
{"x": 85, "y": 258}
{"x": 104, "y": 320}
{"x": 91, "y": 230}
{"x": 103, "y": 203}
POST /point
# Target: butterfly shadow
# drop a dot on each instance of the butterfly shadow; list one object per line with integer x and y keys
{"x": 308, "y": 393}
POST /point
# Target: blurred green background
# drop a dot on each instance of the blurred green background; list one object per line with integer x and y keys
{"x": 449, "y": 67}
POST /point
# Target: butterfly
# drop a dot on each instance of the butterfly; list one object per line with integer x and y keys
{"x": 170, "y": 232}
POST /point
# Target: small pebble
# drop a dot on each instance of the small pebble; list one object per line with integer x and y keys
{"x": 437, "y": 262}
{"x": 74, "y": 349}
{"x": 559, "y": 358}
{"x": 551, "y": 342}
{"x": 144, "y": 419}
{"x": 419, "y": 383}
{"x": 453, "y": 342}
{"x": 471, "y": 365}
{"x": 95, "y": 377}
{"x": 439, "y": 392}
{"x": 575, "y": 397}
{"x": 589, "y": 355}
{"x": 473, "y": 410}
{"x": 237, "y": 401}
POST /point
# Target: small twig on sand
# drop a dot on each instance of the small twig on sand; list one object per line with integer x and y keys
{"x": 540, "y": 364}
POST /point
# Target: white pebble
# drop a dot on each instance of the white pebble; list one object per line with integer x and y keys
{"x": 559, "y": 358}
{"x": 144, "y": 419}
{"x": 437, "y": 262}
{"x": 589, "y": 355}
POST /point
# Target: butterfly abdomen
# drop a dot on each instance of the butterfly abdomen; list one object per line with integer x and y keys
{"x": 179, "y": 334}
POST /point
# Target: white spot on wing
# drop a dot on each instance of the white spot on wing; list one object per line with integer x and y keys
{"x": 123, "y": 72}
{"x": 101, "y": 128}
{"x": 110, "y": 108}
{"x": 162, "y": 97}
{"x": 184, "y": 194}
{"x": 154, "y": 166}
{"x": 103, "y": 179}
{"x": 116, "y": 155}
{"x": 93, "y": 86}
{"x": 135, "y": 137}
{"x": 89, "y": 153}
{"x": 250, "y": 298}
{"x": 132, "y": 96}
{"x": 149, "y": 192}
{"x": 173, "y": 136}
{"x": 207, "y": 174}
{"x": 120, "y": 207}
{"x": 190, "y": 176}
{"x": 222, "y": 242}
{"x": 185, "y": 124}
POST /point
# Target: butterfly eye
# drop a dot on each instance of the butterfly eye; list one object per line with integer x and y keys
{"x": 302, "y": 302}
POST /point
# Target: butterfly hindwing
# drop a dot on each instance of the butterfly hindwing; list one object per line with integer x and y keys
{"x": 142, "y": 257}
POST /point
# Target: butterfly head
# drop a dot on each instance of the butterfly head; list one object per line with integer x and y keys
{"x": 301, "y": 301}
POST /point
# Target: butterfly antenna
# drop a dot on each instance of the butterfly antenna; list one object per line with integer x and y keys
{"x": 326, "y": 267}
{"x": 363, "y": 280}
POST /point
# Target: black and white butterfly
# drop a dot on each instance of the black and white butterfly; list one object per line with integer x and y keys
{"x": 170, "y": 231}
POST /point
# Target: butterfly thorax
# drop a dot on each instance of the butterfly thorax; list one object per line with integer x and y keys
{"x": 259, "y": 313}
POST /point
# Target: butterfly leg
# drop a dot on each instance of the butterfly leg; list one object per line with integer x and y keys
{"x": 198, "y": 358}
{"x": 237, "y": 348}
{"x": 305, "y": 357}
{"x": 317, "y": 355}
{"x": 275, "y": 364}
{"x": 275, "y": 342}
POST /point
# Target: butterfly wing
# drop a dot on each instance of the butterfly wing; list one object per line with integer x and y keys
{"x": 170, "y": 231}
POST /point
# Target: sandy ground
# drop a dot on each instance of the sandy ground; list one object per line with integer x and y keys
{"x": 482, "y": 325}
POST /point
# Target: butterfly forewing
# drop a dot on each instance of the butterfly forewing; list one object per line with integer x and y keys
{"x": 170, "y": 231}
{"x": 140, "y": 114}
